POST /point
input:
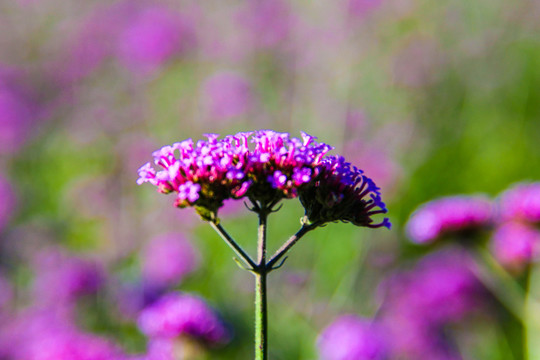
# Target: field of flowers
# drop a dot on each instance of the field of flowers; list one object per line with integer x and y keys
{"x": 435, "y": 105}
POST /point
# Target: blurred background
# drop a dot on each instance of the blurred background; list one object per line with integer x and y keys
{"x": 430, "y": 99}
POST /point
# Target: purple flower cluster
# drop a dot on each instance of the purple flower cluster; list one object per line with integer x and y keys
{"x": 515, "y": 244}
{"x": 447, "y": 216}
{"x": 277, "y": 166}
{"x": 61, "y": 278}
{"x": 419, "y": 305}
{"x": 341, "y": 192}
{"x": 521, "y": 203}
{"x": 46, "y": 334}
{"x": 516, "y": 240}
{"x": 351, "y": 338}
{"x": 177, "y": 314}
{"x": 413, "y": 323}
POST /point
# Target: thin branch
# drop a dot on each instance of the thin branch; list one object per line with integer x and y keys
{"x": 289, "y": 244}
{"x": 233, "y": 245}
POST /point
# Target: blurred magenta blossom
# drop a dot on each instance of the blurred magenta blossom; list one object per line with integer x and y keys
{"x": 167, "y": 258}
{"x": 350, "y": 337}
{"x": 61, "y": 278}
{"x": 449, "y": 216}
{"x": 521, "y": 202}
{"x": 515, "y": 245}
{"x": 153, "y": 36}
{"x": 50, "y": 334}
{"x": 177, "y": 314}
{"x": 440, "y": 290}
{"x": 142, "y": 36}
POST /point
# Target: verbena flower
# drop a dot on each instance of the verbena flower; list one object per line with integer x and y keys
{"x": 265, "y": 166}
{"x": 341, "y": 192}
{"x": 448, "y": 216}
{"x": 521, "y": 202}
{"x": 351, "y": 338}
{"x": 177, "y": 314}
{"x": 515, "y": 245}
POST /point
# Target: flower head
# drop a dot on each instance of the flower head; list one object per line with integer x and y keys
{"x": 265, "y": 166}
{"x": 521, "y": 202}
{"x": 178, "y": 314}
{"x": 341, "y": 192}
{"x": 448, "y": 215}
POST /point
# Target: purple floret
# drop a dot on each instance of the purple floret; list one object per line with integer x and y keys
{"x": 177, "y": 314}
{"x": 449, "y": 216}
{"x": 351, "y": 338}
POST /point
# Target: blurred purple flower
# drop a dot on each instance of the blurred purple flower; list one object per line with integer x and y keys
{"x": 152, "y": 37}
{"x": 515, "y": 245}
{"x": 142, "y": 36}
{"x": 267, "y": 23}
{"x": 61, "y": 278}
{"x": 177, "y": 314}
{"x": 227, "y": 95}
{"x": 48, "y": 334}
{"x": 7, "y": 202}
{"x": 448, "y": 216}
{"x": 90, "y": 44}
{"x": 351, "y": 338}
{"x": 167, "y": 258}
{"x": 521, "y": 202}
{"x": 441, "y": 289}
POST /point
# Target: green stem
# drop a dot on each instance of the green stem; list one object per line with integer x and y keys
{"x": 289, "y": 244}
{"x": 261, "y": 317}
{"x": 233, "y": 245}
{"x": 261, "y": 307}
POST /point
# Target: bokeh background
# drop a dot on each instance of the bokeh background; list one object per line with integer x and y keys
{"x": 429, "y": 98}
